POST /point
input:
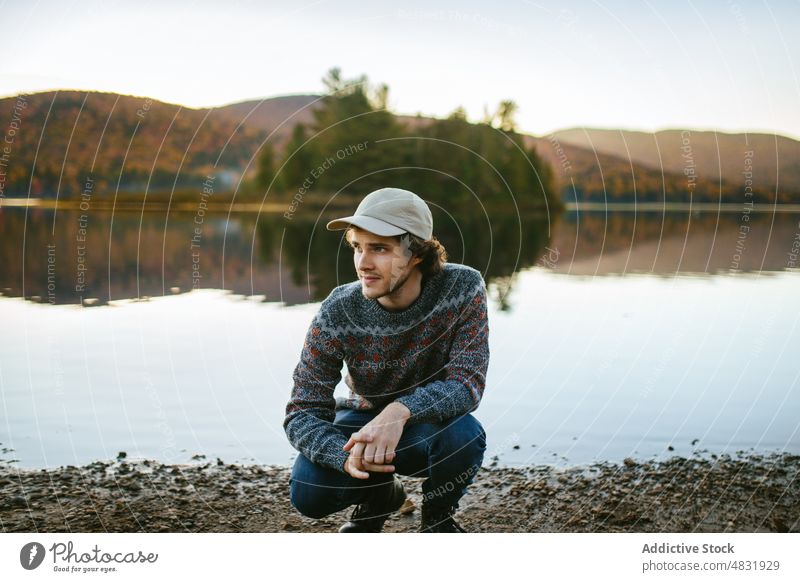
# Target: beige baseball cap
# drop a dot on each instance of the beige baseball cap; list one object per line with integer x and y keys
{"x": 389, "y": 212}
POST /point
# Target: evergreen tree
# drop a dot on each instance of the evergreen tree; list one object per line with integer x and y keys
{"x": 355, "y": 145}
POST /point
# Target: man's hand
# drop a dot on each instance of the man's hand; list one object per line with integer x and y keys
{"x": 357, "y": 467}
{"x": 373, "y": 447}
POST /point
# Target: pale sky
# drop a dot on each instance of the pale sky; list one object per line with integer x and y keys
{"x": 726, "y": 65}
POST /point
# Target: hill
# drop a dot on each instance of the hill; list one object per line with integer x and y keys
{"x": 135, "y": 143}
{"x": 132, "y": 144}
{"x": 713, "y": 155}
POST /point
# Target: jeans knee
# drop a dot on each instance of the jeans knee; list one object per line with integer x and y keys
{"x": 307, "y": 500}
{"x": 463, "y": 436}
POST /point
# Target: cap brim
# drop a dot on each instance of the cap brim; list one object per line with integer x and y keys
{"x": 373, "y": 225}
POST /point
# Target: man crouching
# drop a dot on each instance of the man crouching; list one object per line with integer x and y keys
{"x": 414, "y": 332}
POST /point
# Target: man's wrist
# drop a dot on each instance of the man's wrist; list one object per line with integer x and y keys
{"x": 399, "y": 411}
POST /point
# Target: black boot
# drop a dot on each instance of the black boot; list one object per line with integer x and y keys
{"x": 369, "y": 516}
{"x": 439, "y": 520}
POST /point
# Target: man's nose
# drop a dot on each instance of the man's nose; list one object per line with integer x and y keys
{"x": 364, "y": 261}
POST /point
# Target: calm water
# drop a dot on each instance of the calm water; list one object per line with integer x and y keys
{"x": 612, "y": 335}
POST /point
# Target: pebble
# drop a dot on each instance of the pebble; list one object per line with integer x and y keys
{"x": 671, "y": 495}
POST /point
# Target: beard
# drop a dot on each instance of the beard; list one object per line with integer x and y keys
{"x": 400, "y": 282}
{"x": 397, "y": 286}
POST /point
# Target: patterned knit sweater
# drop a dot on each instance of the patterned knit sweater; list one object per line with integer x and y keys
{"x": 432, "y": 356}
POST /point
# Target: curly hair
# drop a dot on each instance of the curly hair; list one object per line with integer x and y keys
{"x": 432, "y": 252}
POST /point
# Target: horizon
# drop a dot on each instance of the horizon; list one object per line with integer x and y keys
{"x": 405, "y": 114}
{"x": 647, "y": 68}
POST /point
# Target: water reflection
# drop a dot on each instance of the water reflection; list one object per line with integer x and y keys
{"x": 703, "y": 243}
{"x": 68, "y": 259}
{"x": 63, "y": 258}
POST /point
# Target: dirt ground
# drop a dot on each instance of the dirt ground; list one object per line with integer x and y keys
{"x": 746, "y": 493}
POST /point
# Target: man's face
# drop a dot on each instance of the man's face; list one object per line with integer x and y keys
{"x": 382, "y": 263}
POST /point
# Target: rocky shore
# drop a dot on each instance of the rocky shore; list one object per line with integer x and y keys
{"x": 744, "y": 493}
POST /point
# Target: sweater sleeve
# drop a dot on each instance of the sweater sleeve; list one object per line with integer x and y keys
{"x": 310, "y": 411}
{"x": 462, "y": 388}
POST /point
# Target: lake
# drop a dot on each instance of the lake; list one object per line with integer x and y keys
{"x": 612, "y": 334}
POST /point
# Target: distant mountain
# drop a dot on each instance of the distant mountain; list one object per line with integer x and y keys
{"x": 66, "y": 136}
{"x": 773, "y": 159}
{"x": 592, "y": 176}
{"x": 133, "y": 143}
{"x": 278, "y": 114}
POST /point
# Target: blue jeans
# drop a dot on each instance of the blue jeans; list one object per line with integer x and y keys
{"x": 448, "y": 453}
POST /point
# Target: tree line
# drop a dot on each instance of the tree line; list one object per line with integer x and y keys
{"x": 354, "y": 145}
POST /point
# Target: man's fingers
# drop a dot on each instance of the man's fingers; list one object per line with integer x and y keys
{"x": 355, "y": 462}
{"x": 356, "y": 456}
{"x": 358, "y": 467}
{"x": 358, "y": 474}
{"x": 357, "y": 451}
{"x": 380, "y": 455}
{"x": 356, "y": 438}
{"x": 389, "y": 456}
{"x": 355, "y": 471}
{"x": 369, "y": 453}
{"x": 361, "y": 437}
{"x": 378, "y": 468}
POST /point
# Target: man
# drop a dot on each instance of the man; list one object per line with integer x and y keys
{"x": 414, "y": 333}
